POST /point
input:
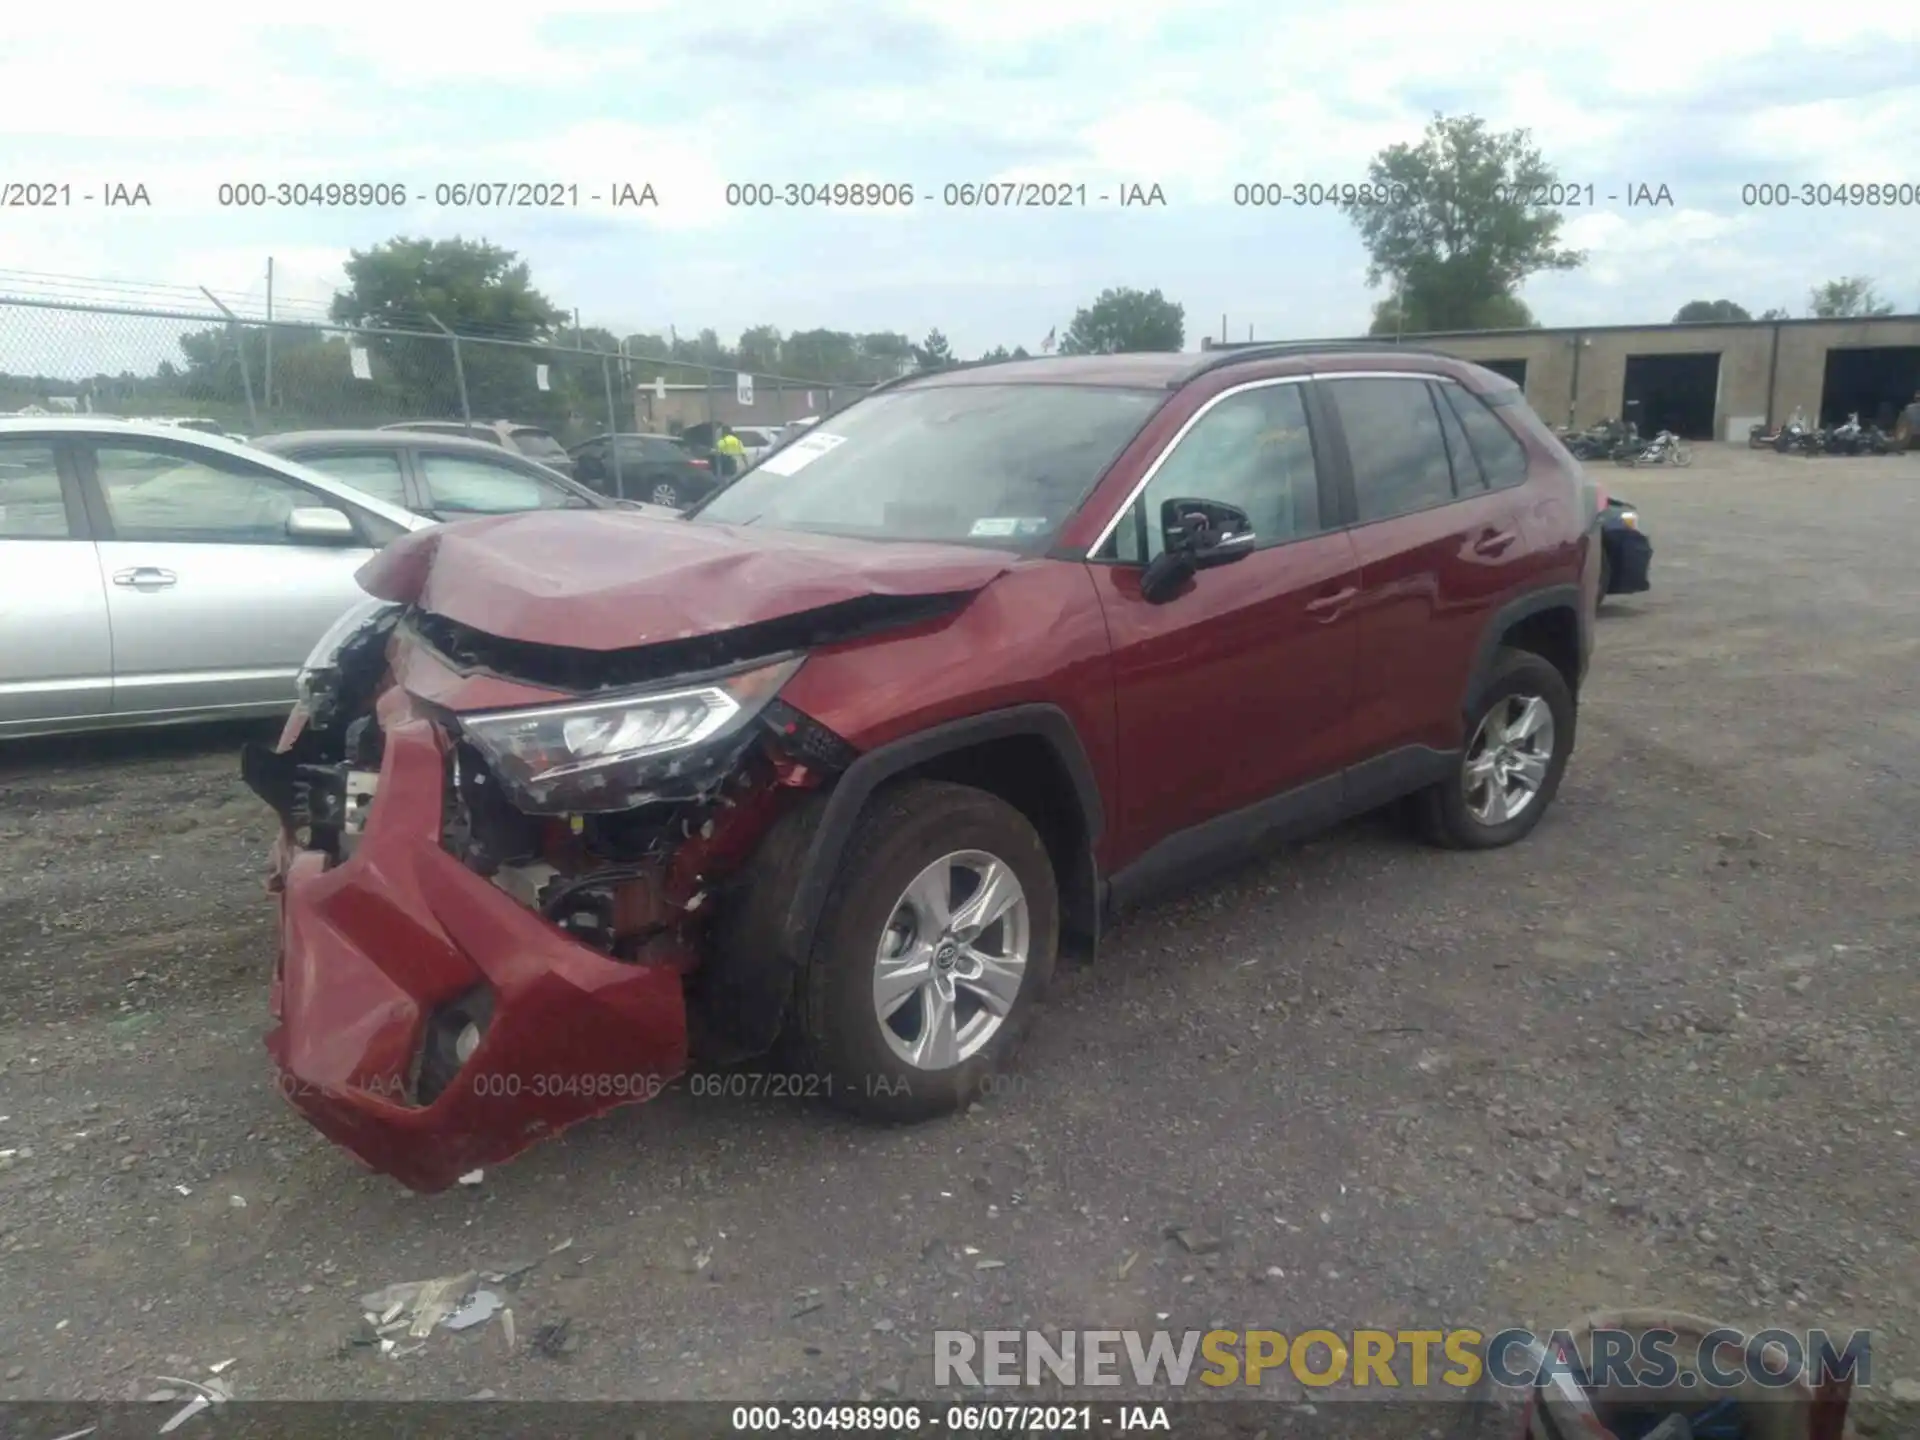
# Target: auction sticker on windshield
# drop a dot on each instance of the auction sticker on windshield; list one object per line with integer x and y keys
{"x": 802, "y": 453}
{"x": 996, "y": 526}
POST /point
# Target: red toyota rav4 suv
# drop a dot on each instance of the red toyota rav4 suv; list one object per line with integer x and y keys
{"x": 846, "y": 756}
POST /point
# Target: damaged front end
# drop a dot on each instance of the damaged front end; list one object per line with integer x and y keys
{"x": 508, "y": 894}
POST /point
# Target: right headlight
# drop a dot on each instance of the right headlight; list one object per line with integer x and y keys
{"x": 615, "y": 753}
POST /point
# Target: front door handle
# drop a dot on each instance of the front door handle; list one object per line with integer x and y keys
{"x": 1494, "y": 542}
{"x": 1330, "y": 606}
{"x": 145, "y": 577}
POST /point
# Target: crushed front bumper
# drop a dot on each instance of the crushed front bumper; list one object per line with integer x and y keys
{"x": 375, "y": 949}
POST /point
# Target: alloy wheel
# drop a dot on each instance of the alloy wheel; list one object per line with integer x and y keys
{"x": 951, "y": 960}
{"x": 1507, "y": 762}
{"x": 665, "y": 494}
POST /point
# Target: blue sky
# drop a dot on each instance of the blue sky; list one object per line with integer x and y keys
{"x": 1194, "y": 97}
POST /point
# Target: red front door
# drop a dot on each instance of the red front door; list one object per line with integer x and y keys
{"x": 1240, "y": 686}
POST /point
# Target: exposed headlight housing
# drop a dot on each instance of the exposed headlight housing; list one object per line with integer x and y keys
{"x": 622, "y": 751}
{"x": 1630, "y": 519}
{"x": 316, "y": 677}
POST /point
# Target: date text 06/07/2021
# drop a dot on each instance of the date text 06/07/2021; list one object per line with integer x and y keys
{"x": 948, "y": 195}
{"x": 911, "y": 1418}
{"x": 476, "y": 194}
{"x": 1367, "y": 194}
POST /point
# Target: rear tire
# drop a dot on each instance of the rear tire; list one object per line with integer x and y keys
{"x": 876, "y": 936}
{"x": 1505, "y": 779}
{"x": 665, "y": 493}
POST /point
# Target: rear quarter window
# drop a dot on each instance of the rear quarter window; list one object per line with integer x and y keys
{"x": 1503, "y": 459}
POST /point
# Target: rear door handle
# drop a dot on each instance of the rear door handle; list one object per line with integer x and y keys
{"x": 1331, "y": 605}
{"x": 145, "y": 577}
{"x": 1494, "y": 542}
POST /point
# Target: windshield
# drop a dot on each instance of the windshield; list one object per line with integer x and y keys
{"x": 1002, "y": 465}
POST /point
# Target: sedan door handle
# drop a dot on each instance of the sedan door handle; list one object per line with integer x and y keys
{"x": 1494, "y": 542}
{"x": 1331, "y": 605}
{"x": 145, "y": 577}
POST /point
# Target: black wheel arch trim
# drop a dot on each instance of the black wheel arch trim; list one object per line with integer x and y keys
{"x": 1534, "y": 602}
{"x": 857, "y": 783}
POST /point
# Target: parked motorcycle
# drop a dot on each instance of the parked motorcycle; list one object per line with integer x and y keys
{"x": 1666, "y": 448}
{"x": 1599, "y": 442}
{"x": 1853, "y": 438}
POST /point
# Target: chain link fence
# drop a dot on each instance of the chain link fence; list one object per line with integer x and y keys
{"x": 252, "y": 378}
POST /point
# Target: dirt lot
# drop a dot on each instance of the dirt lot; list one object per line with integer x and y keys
{"x": 1664, "y": 1052}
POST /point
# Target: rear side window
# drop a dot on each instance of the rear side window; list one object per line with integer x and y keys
{"x": 538, "y": 444}
{"x": 371, "y": 472}
{"x": 31, "y": 504}
{"x": 1395, "y": 442}
{"x": 1467, "y": 476}
{"x": 1501, "y": 455}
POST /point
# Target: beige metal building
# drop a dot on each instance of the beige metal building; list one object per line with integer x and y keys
{"x": 1703, "y": 381}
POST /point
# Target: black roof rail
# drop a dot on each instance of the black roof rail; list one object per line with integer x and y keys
{"x": 1220, "y": 358}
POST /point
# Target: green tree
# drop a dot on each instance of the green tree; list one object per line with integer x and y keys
{"x": 760, "y": 348}
{"x": 1455, "y": 233}
{"x": 475, "y": 289}
{"x": 885, "y": 354}
{"x": 1696, "y": 312}
{"x": 1775, "y": 314}
{"x": 934, "y": 353}
{"x": 470, "y": 286}
{"x": 823, "y": 355}
{"x": 1850, "y": 297}
{"x": 1020, "y": 353}
{"x": 998, "y": 353}
{"x": 1123, "y": 319}
{"x": 1496, "y": 312}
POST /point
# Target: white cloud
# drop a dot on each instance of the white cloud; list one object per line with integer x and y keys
{"x": 1196, "y": 96}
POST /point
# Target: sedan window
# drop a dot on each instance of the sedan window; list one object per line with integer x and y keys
{"x": 31, "y": 505}
{"x": 155, "y": 494}
{"x": 372, "y": 472}
{"x": 463, "y": 485}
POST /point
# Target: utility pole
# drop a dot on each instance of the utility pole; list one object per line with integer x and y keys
{"x": 266, "y": 380}
{"x": 576, "y": 328}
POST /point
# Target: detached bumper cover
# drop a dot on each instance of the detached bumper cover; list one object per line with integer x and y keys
{"x": 372, "y": 947}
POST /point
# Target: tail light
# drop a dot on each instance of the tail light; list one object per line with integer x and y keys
{"x": 698, "y": 464}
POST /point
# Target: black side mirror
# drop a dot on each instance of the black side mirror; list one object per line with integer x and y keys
{"x": 1200, "y": 535}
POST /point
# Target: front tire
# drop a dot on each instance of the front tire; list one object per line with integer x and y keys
{"x": 937, "y": 943}
{"x": 1519, "y": 737}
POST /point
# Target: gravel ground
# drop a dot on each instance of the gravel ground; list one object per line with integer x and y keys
{"x": 1662, "y": 1053}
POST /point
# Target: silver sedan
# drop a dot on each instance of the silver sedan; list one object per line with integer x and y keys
{"x": 151, "y": 575}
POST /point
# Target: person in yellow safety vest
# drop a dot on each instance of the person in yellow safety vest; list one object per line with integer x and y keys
{"x": 734, "y": 452}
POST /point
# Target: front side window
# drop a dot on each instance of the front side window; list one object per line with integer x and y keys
{"x": 995, "y": 465}
{"x": 1253, "y": 450}
{"x": 1394, "y": 440}
{"x": 371, "y": 472}
{"x": 166, "y": 495}
{"x": 31, "y": 504}
{"x": 460, "y": 485}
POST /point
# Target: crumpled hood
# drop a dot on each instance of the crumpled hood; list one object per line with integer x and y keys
{"x": 613, "y": 580}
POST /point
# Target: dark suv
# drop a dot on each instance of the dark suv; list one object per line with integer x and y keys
{"x": 835, "y": 766}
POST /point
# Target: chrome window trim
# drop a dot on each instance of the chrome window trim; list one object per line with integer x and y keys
{"x": 1382, "y": 375}
{"x": 1140, "y": 487}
